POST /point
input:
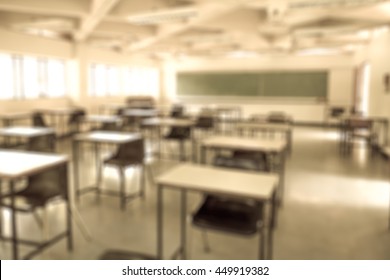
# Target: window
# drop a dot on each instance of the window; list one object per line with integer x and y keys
{"x": 104, "y": 80}
{"x": 27, "y": 77}
{"x": 141, "y": 81}
{"x": 7, "y": 76}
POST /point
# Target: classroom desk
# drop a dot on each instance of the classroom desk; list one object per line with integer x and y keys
{"x": 58, "y": 118}
{"x": 140, "y": 113}
{"x": 97, "y": 138}
{"x": 110, "y": 108}
{"x": 220, "y": 181}
{"x": 227, "y": 115}
{"x": 386, "y": 151}
{"x": 253, "y": 127}
{"x": 271, "y": 147}
{"x": 102, "y": 119}
{"x": 344, "y": 128}
{"x": 16, "y": 165}
{"x": 135, "y": 116}
{"x": 8, "y": 118}
{"x": 158, "y": 123}
{"x": 24, "y": 132}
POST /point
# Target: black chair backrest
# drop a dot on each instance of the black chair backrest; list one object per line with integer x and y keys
{"x": 110, "y": 127}
{"x": 277, "y": 117}
{"x": 44, "y": 143}
{"x": 120, "y": 111}
{"x": 177, "y": 111}
{"x": 244, "y": 160}
{"x": 179, "y": 132}
{"x": 47, "y": 185}
{"x": 77, "y": 116}
{"x": 38, "y": 120}
{"x": 205, "y": 122}
{"x": 132, "y": 150}
{"x": 336, "y": 111}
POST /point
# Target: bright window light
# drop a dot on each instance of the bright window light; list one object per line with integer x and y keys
{"x": 56, "y": 78}
{"x": 6, "y": 72}
{"x": 141, "y": 81}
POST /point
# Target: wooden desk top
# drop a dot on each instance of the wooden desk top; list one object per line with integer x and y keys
{"x": 241, "y": 143}
{"x": 25, "y": 131}
{"x": 167, "y": 122}
{"x": 102, "y": 119}
{"x": 15, "y": 115}
{"x": 59, "y": 111}
{"x": 143, "y": 113}
{"x": 16, "y": 164}
{"x": 107, "y": 137}
{"x": 265, "y": 125}
{"x": 224, "y": 181}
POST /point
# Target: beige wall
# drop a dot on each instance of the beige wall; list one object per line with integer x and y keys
{"x": 78, "y": 57}
{"x": 377, "y": 55}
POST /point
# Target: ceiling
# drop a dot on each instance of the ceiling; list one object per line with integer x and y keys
{"x": 228, "y": 28}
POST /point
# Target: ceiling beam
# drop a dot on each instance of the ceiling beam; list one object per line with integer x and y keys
{"x": 70, "y": 8}
{"x": 206, "y": 12}
{"x": 99, "y": 9}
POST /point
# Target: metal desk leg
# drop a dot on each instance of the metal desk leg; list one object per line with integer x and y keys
{"x": 193, "y": 144}
{"x": 183, "y": 229}
{"x": 203, "y": 155}
{"x": 262, "y": 234}
{"x": 281, "y": 176}
{"x": 159, "y": 142}
{"x": 182, "y": 150}
{"x": 98, "y": 169}
{"x": 76, "y": 170}
{"x": 15, "y": 254}
{"x": 160, "y": 222}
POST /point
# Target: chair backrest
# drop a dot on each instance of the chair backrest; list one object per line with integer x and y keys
{"x": 179, "y": 132}
{"x": 111, "y": 127}
{"x": 47, "y": 185}
{"x": 336, "y": 111}
{"x": 44, "y": 143}
{"x": 132, "y": 150}
{"x": 177, "y": 111}
{"x": 204, "y": 121}
{"x": 77, "y": 116}
{"x": 278, "y": 117}
{"x": 244, "y": 160}
{"x": 38, "y": 120}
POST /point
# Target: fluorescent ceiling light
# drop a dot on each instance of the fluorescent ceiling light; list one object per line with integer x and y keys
{"x": 318, "y": 51}
{"x": 164, "y": 16}
{"x": 242, "y": 54}
{"x": 331, "y": 3}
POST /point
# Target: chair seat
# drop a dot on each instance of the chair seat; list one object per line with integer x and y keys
{"x": 228, "y": 215}
{"x": 244, "y": 163}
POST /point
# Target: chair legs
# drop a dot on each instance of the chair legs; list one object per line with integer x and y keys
{"x": 206, "y": 243}
{"x": 122, "y": 187}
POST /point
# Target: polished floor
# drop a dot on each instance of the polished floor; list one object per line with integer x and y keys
{"x": 335, "y": 207}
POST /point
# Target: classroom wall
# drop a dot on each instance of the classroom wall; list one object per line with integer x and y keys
{"x": 84, "y": 56}
{"x": 303, "y": 110}
{"x": 377, "y": 55}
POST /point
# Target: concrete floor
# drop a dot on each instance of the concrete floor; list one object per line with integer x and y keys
{"x": 335, "y": 207}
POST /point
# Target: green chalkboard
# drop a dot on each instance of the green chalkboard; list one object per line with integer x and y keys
{"x": 255, "y": 84}
{"x": 216, "y": 84}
